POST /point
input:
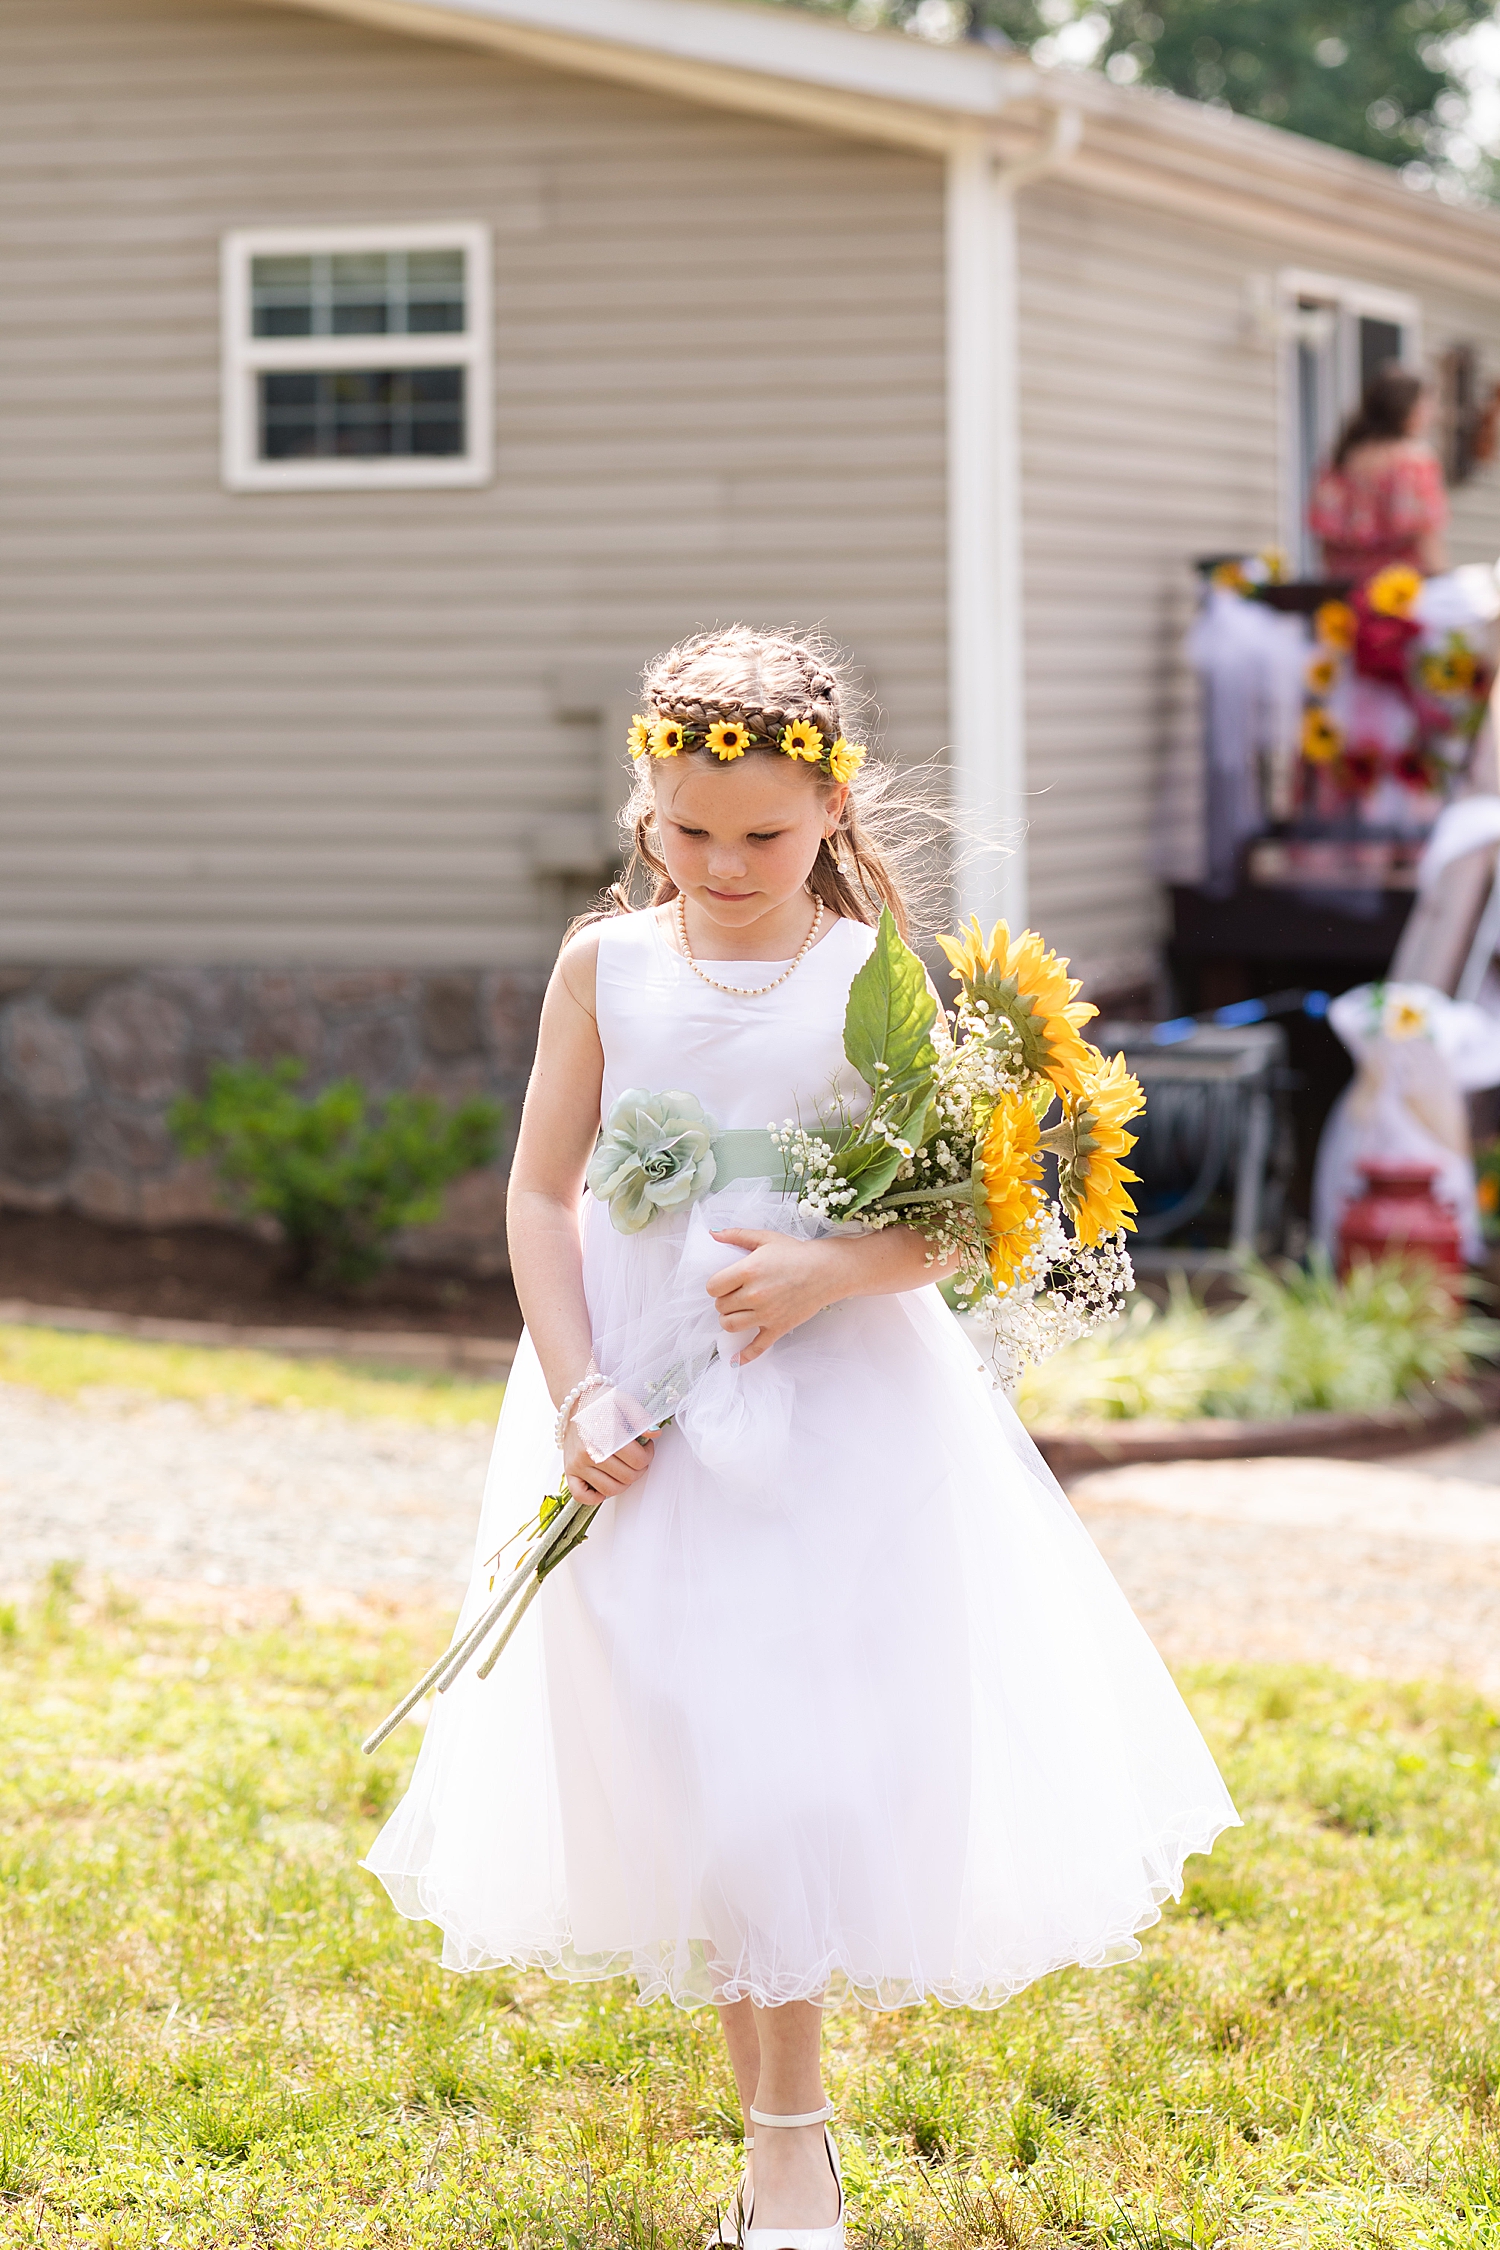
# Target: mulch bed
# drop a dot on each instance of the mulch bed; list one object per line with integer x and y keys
{"x": 212, "y": 1273}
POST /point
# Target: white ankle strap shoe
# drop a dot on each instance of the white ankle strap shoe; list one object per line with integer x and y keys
{"x": 753, "y": 2237}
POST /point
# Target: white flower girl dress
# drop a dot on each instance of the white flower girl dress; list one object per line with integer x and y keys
{"x": 840, "y": 1696}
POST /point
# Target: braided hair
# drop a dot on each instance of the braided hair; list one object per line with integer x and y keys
{"x": 766, "y": 681}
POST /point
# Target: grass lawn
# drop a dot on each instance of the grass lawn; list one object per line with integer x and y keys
{"x": 214, "y": 2030}
{"x": 68, "y": 1364}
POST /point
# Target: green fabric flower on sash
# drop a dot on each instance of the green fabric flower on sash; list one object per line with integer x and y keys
{"x": 655, "y": 1154}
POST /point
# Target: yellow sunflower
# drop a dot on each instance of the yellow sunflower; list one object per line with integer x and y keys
{"x": 1089, "y": 1145}
{"x": 1452, "y": 671}
{"x": 846, "y": 758}
{"x": 666, "y": 738}
{"x": 1021, "y": 981}
{"x": 1011, "y": 1171}
{"x": 1321, "y": 674}
{"x": 1404, "y": 1020}
{"x": 729, "y": 739}
{"x": 1394, "y": 590}
{"x": 638, "y": 740}
{"x": 1230, "y": 577}
{"x": 803, "y": 740}
{"x": 1321, "y": 739}
{"x": 1335, "y": 625}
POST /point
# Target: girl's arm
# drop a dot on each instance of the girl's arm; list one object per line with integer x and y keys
{"x": 559, "y": 1124}
{"x": 782, "y": 1283}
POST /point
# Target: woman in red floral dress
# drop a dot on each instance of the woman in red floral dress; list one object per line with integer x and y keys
{"x": 1381, "y": 499}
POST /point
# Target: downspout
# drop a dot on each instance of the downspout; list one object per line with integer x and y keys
{"x": 985, "y": 590}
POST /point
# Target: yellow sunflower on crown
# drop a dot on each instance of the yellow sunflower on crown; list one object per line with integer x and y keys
{"x": 728, "y": 738}
{"x": 803, "y": 740}
{"x": 1020, "y": 980}
{"x": 846, "y": 758}
{"x": 666, "y": 738}
{"x": 1010, "y": 1175}
{"x": 1090, "y": 1144}
{"x": 638, "y": 740}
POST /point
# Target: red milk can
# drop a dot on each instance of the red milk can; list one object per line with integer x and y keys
{"x": 1399, "y": 1216}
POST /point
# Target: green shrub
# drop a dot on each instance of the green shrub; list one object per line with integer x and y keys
{"x": 338, "y": 1173}
{"x": 1300, "y": 1340}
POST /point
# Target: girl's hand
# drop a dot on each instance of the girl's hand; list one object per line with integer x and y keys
{"x": 778, "y": 1286}
{"x": 592, "y": 1481}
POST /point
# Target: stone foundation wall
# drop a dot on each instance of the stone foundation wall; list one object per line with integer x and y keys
{"x": 90, "y": 1060}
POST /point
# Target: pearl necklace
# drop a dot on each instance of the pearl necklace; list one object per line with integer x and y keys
{"x": 744, "y": 991}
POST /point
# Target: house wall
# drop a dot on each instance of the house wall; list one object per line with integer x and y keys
{"x": 327, "y": 731}
{"x": 1151, "y": 434}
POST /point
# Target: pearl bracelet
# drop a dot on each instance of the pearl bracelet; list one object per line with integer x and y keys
{"x": 590, "y": 1382}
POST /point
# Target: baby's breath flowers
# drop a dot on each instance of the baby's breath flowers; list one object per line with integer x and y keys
{"x": 956, "y": 1132}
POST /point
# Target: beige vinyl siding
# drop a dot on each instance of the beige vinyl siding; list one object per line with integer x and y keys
{"x": 322, "y": 726}
{"x": 1151, "y": 433}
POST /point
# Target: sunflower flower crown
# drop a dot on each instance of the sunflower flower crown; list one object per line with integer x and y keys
{"x": 963, "y": 1111}
{"x": 729, "y": 735}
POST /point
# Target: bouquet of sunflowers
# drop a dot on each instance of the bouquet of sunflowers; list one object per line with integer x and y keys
{"x": 961, "y": 1116}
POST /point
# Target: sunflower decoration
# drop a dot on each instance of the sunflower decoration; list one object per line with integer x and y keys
{"x": 666, "y": 738}
{"x": 846, "y": 758}
{"x": 1403, "y": 1018}
{"x": 1029, "y": 988}
{"x": 729, "y": 738}
{"x": 1336, "y": 625}
{"x": 1393, "y": 592}
{"x": 1450, "y": 671}
{"x": 1090, "y": 1145}
{"x": 638, "y": 740}
{"x": 1322, "y": 673}
{"x": 1321, "y": 739}
{"x": 1010, "y": 1171}
{"x": 803, "y": 740}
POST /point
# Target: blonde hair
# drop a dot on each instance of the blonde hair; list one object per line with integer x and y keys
{"x": 767, "y": 681}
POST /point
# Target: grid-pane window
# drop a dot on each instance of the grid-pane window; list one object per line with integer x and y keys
{"x": 363, "y": 413}
{"x": 359, "y": 293}
{"x": 356, "y": 358}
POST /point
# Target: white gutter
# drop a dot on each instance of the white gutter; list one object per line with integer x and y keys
{"x": 986, "y": 639}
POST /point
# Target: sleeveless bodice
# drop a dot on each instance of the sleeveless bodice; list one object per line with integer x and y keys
{"x": 750, "y": 1060}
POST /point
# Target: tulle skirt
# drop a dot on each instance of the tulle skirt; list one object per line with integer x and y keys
{"x": 839, "y": 1697}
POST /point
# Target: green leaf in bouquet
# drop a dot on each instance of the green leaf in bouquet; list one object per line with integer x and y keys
{"x": 889, "y": 1017}
{"x": 870, "y": 1176}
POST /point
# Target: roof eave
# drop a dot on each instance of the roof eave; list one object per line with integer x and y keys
{"x": 1149, "y": 146}
{"x": 769, "y": 61}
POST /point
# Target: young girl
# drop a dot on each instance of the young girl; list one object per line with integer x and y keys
{"x": 838, "y": 1696}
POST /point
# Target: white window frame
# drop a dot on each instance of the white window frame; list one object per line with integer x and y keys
{"x": 1323, "y": 312}
{"x": 246, "y": 356}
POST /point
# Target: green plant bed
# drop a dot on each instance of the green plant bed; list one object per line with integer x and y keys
{"x": 1299, "y": 1342}
{"x": 339, "y": 1172}
{"x": 215, "y": 2033}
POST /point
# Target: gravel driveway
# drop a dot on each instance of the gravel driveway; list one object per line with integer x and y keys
{"x": 167, "y": 1491}
{"x": 1390, "y": 1569}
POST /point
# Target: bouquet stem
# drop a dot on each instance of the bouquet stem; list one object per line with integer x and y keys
{"x": 523, "y": 1581}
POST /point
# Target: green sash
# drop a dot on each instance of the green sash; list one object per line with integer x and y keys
{"x": 747, "y": 1152}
